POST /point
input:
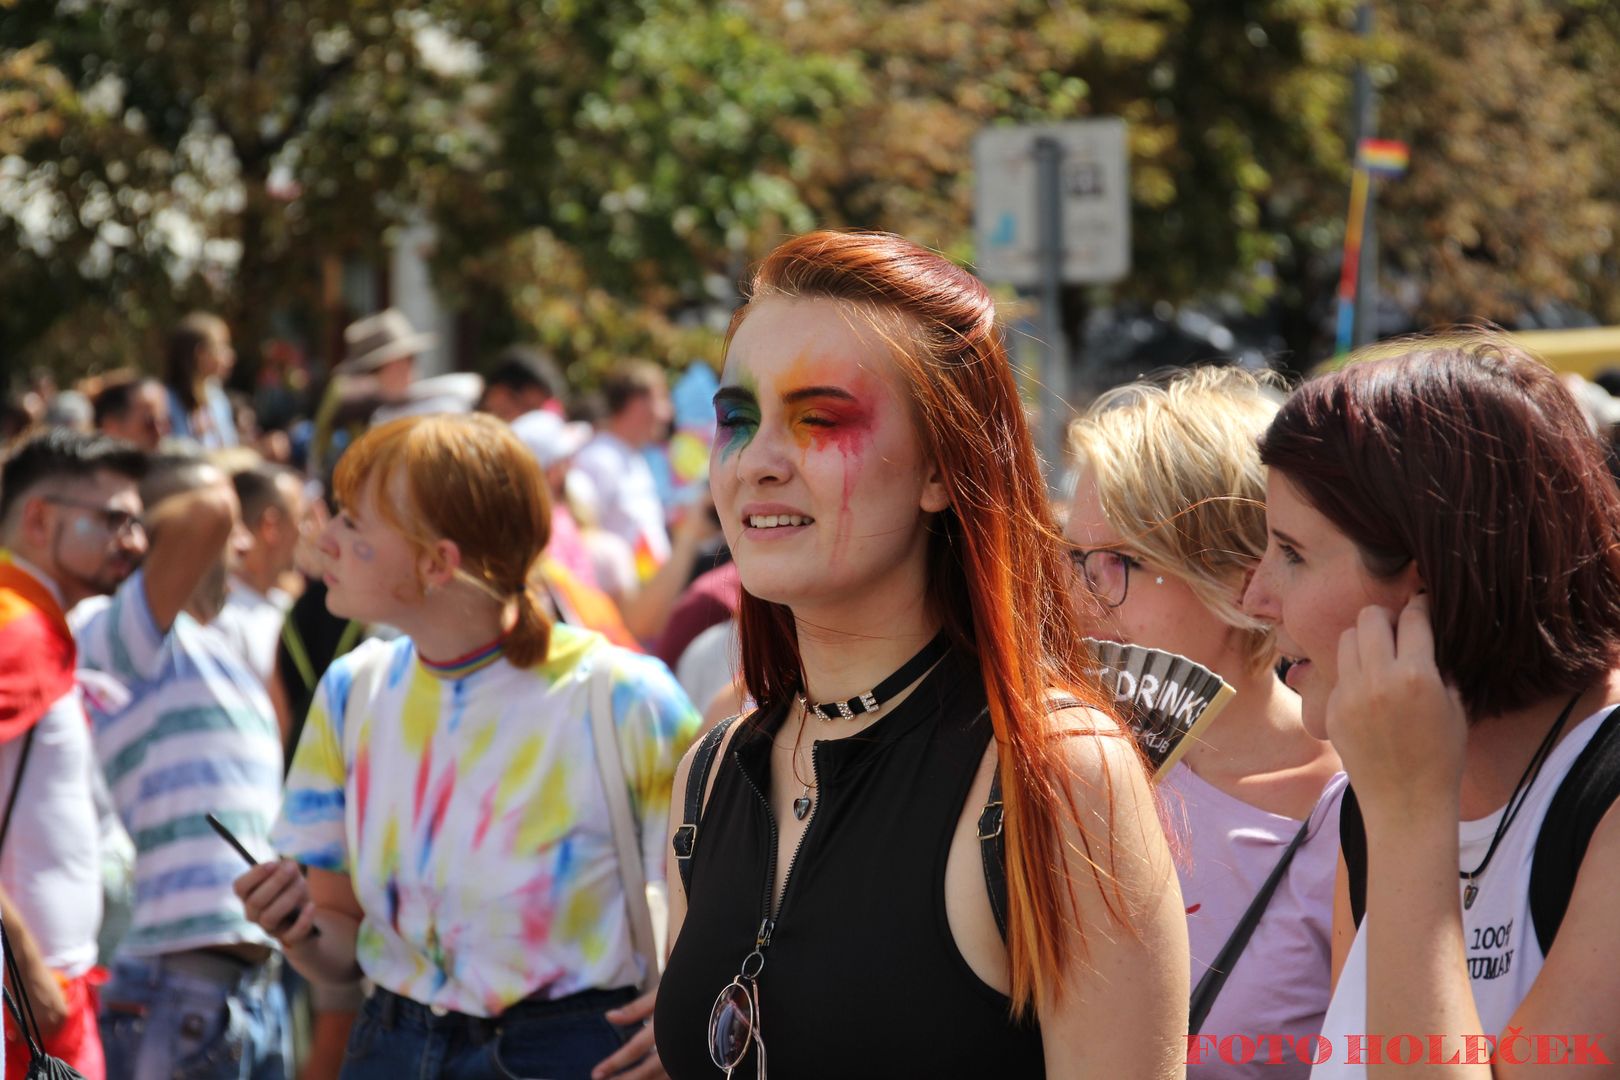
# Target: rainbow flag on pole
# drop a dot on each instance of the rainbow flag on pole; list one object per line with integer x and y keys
{"x": 1383, "y": 157}
{"x": 1374, "y": 157}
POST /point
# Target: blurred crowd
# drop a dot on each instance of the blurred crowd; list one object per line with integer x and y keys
{"x": 635, "y": 553}
{"x": 626, "y": 462}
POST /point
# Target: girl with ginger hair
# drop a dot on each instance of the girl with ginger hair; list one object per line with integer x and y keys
{"x": 443, "y": 795}
{"x": 907, "y": 631}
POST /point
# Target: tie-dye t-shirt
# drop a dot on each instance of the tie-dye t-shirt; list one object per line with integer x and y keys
{"x": 466, "y": 805}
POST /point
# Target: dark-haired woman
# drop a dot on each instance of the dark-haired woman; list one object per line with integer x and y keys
{"x": 444, "y": 796}
{"x": 198, "y": 361}
{"x": 1444, "y": 568}
{"x": 907, "y": 631}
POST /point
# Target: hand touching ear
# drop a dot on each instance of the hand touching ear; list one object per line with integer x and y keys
{"x": 1399, "y": 728}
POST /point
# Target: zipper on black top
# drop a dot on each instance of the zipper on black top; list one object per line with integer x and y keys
{"x": 768, "y": 920}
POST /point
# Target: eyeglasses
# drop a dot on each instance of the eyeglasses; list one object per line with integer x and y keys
{"x": 734, "y": 1026}
{"x": 117, "y": 522}
{"x": 1107, "y": 572}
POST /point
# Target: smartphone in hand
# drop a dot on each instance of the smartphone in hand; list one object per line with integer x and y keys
{"x": 247, "y": 856}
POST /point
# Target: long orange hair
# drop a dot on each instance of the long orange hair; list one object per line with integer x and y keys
{"x": 998, "y": 574}
{"x": 466, "y": 479}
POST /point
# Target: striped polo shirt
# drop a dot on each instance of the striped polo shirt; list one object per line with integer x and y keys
{"x": 196, "y": 735}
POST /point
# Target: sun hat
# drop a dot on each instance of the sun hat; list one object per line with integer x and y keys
{"x": 373, "y": 341}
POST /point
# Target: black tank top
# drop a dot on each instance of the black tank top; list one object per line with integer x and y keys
{"x": 862, "y": 977}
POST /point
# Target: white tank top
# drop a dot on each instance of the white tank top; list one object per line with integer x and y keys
{"x": 1504, "y": 955}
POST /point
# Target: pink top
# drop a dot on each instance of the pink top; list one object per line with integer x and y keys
{"x": 1279, "y": 986}
{"x": 567, "y": 546}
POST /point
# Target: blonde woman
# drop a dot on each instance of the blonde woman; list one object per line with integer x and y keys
{"x": 1168, "y": 523}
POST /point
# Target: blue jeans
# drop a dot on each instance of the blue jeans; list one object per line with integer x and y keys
{"x": 195, "y": 1015}
{"x": 395, "y": 1038}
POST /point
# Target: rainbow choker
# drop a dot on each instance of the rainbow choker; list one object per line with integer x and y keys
{"x": 462, "y": 666}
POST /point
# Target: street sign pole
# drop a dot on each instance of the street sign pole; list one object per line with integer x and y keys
{"x": 1049, "y": 230}
{"x": 1051, "y": 209}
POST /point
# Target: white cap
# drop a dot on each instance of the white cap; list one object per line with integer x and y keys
{"x": 549, "y": 437}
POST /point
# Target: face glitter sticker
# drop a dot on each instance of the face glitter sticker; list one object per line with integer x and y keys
{"x": 364, "y": 551}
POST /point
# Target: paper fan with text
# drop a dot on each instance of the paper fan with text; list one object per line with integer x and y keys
{"x": 1165, "y": 697}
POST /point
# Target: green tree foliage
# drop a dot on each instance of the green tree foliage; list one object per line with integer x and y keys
{"x": 212, "y": 152}
{"x": 1237, "y": 115}
{"x": 1511, "y": 195}
{"x": 600, "y": 171}
{"x": 1239, "y": 118}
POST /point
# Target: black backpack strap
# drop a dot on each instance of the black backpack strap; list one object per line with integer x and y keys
{"x": 1353, "y": 849}
{"x": 1209, "y": 986}
{"x": 697, "y": 782}
{"x": 16, "y": 784}
{"x": 993, "y": 853}
{"x": 993, "y": 844}
{"x": 1591, "y": 786}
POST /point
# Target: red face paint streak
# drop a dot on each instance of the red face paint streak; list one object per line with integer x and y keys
{"x": 832, "y": 422}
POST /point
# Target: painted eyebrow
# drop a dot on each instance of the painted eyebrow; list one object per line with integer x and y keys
{"x": 734, "y": 395}
{"x": 805, "y": 393}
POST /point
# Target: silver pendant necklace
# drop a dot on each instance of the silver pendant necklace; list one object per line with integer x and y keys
{"x": 859, "y": 705}
{"x": 1521, "y": 792}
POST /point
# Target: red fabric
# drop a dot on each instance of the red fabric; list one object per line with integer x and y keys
{"x": 37, "y": 655}
{"x": 78, "y": 1042}
{"x": 710, "y": 600}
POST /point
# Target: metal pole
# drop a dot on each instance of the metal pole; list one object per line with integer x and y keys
{"x": 1049, "y": 230}
{"x": 1366, "y": 319}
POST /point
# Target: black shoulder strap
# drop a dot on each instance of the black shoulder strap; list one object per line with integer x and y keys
{"x": 992, "y": 844}
{"x": 16, "y": 783}
{"x": 1591, "y": 786}
{"x": 24, "y": 1016}
{"x": 1209, "y": 987}
{"x": 993, "y": 853}
{"x": 697, "y": 782}
{"x": 1353, "y": 848}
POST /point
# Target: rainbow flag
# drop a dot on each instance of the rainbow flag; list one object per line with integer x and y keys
{"x": 1383, "y": 157}
{"x": 647, "y": 562}
{"x": 37, "y": 655}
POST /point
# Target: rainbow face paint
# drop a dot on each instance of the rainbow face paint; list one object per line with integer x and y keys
{"x": 818, "y": 471}
{"x": 828, "y": 418}
{"x": 819, "y": 410}
{"x": 736, "y": 418}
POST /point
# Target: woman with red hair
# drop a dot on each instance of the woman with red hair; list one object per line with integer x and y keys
{"x": 923, "y": 720}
